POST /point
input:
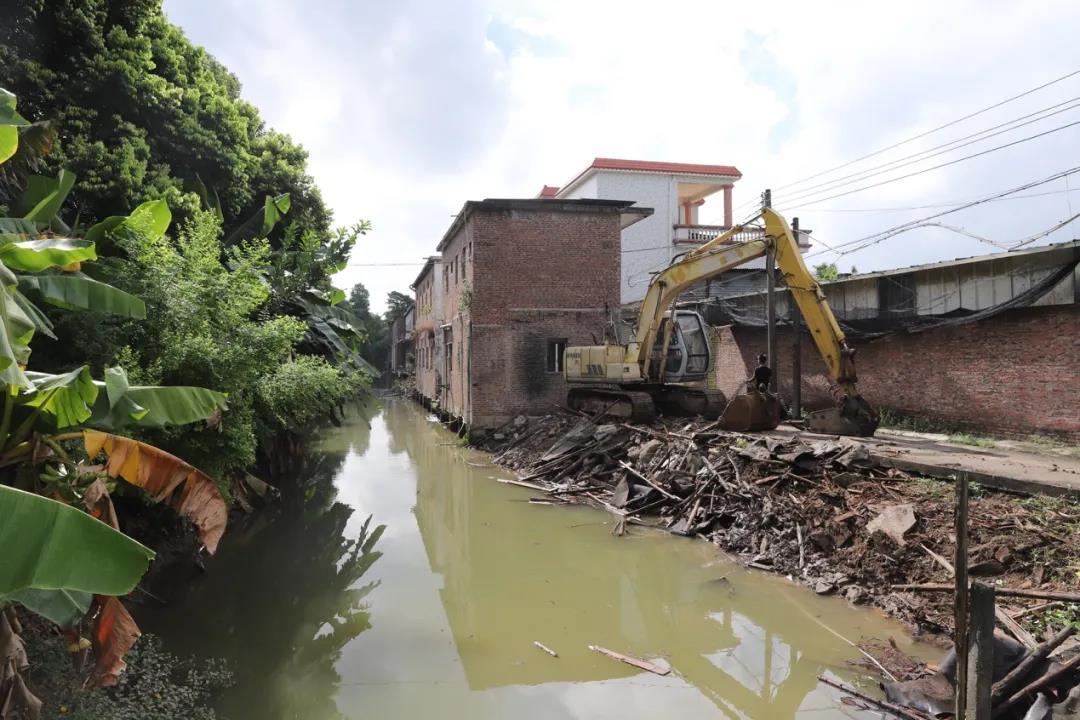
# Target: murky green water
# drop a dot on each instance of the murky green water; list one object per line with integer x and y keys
{"x": 437, "y": 617}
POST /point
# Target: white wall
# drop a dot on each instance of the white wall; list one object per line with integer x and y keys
{"x": 646, "y": 245}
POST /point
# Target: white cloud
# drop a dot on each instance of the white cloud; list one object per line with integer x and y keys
{"x": 408, "y": 109}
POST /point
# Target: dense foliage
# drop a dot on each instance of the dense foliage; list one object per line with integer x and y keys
{"x": 142, "y": 113}
{"x": 244, "y": 283}
{"x": 211, "y": 316}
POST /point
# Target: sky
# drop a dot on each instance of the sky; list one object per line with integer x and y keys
{"x": 410, "y": 108}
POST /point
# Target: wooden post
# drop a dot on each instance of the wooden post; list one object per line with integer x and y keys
{"x": 796, "y": 343}
{"x": 960, "y": 594}
{"x": 980, "y": 663}
{"x": 770, "y": 300}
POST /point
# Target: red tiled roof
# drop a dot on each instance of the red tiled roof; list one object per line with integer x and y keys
{"x": 549, "y": 191}
{"x": 665, "y": 167}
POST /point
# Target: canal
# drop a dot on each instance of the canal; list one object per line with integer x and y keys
{"x": 397, "y": 579}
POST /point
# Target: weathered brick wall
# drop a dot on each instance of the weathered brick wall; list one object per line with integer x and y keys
{"x": 1016, "y": 374}
{"x": 538, "y": 276}
{"x": 524, "y": 277}
{"x": 456, "y": 305}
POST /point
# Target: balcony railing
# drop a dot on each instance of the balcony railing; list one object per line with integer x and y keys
{"x": 698, "y": 234}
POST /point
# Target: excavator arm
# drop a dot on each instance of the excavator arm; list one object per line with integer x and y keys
{"x": 852, "y": 415}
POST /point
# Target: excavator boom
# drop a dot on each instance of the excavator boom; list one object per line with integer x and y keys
{"x": 666, "y": 351}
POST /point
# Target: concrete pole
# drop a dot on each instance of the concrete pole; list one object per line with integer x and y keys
{"x": 796, "y": 343}
{"x": 981, "y": 655}
{"x": 770, "y": 300}
{"x": 960, "y": 594}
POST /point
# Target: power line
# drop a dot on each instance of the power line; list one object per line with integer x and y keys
{"x": 951, "y": 203}
{"x": 882, "y": 235}
{"x": 938, "y": 167}
{"x": 831, "y": 185}
{"x": 933, "y": 130}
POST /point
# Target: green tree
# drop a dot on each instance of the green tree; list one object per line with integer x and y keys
{"x": 826, "y": 272}
{"x": 141, "y": 112}
{"x": 397, "y": 304}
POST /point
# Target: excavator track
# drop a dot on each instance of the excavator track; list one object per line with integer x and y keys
{"x": 687, "y": 401}
{"x": 628, "y": 405}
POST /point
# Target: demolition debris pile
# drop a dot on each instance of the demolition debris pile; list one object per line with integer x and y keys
{"x": 819, "y": 510}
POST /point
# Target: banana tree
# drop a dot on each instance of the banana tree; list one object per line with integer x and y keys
{"x": 58, "y": 556}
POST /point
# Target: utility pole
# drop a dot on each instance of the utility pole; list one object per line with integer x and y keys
{"x": 770, "y": 298}
{"x": 796, "y": 342}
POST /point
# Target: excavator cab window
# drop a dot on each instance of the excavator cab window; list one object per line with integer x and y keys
{"x": 695, "y": 342}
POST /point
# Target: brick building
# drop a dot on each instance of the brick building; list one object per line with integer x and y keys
{"x": 427, "y": 333}
{"x": 522, "y": 279}
{"x": 1010, "y": 366}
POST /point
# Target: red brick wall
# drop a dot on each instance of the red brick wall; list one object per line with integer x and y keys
{"x": 1016, "y": 374}
{"x": 532, "y": 276}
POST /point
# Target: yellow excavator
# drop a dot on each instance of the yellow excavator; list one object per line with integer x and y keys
{"x": 670, "y": 348}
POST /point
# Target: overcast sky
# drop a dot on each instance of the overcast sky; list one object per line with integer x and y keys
{"x": 409, "y": 108}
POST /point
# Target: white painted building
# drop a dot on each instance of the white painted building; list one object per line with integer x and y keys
{"x": 675, "y": 191}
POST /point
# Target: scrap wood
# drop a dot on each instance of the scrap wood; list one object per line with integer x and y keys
{"x": 1014, "y": 628}
{"x": 1047, "y": 680}
{"x": 649, "y": 482}
{"x": 522, "y": 483}
{"x": 1035, "y": 609}
{"x": 636, "y": 662}
{"x": 1020, "y": 673}
{"x": 897, "y": 710}
{"x": 1011, "y": 592}
{"x": 545, "y": 648}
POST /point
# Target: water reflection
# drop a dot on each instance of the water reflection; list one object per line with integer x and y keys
{"x": 470, "y": 574}
{"x": 514, "y": 573}
{"x": 281, "y": 599}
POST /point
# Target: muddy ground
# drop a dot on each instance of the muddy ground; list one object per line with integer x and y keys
{"x": 814, "y": 508}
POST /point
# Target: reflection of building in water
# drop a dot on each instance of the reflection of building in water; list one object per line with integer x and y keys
{"x": 513, "y": 574}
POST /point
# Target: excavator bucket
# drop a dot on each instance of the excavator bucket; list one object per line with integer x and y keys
{"x": 853, "y": 416}
{"x": 752, "y": 411}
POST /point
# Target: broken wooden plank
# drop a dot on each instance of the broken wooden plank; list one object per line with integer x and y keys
{"x": 522, "y": 483}
{"x": 1015, "y": 628}
{"x": 1010, "y": 592}
{"x": 1045, "y": 681}
{"x": 545, "y": 648}
{"x": 1020, "y": 673}
{"x": 636, "y": 662}
{"x": 649, "y": 482}
{"x": 897, "y": 710}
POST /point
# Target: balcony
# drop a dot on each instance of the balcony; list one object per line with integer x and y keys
{"x": 697, "y": 234}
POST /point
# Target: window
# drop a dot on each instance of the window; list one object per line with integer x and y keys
{"x": 555, "y": 351}
{"x": 448, "y": 348}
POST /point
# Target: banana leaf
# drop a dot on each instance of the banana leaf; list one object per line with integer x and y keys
{"x": 10, "y": 122}
{"x": 76, "y": 291}
{"x": 160, "y": 474}
{"x": 52, "y": 546}
{"x": 16, "y": 330}
{"x": 149, "y": 220}
{"x": 67, "y": 398}
{"x": 40, "y": 202}
{"x": 76, "y": 398}
{"x": 127, "y": 405}
{"x": 42, "y": 254}
{"x": 262, "y": 221}
{"x": 63, "y": 607}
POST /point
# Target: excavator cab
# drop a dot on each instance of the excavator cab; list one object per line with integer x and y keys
{"x": 688, "y": 354}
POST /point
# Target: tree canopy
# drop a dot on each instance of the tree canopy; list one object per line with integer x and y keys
{"x": 140, "y": 112}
